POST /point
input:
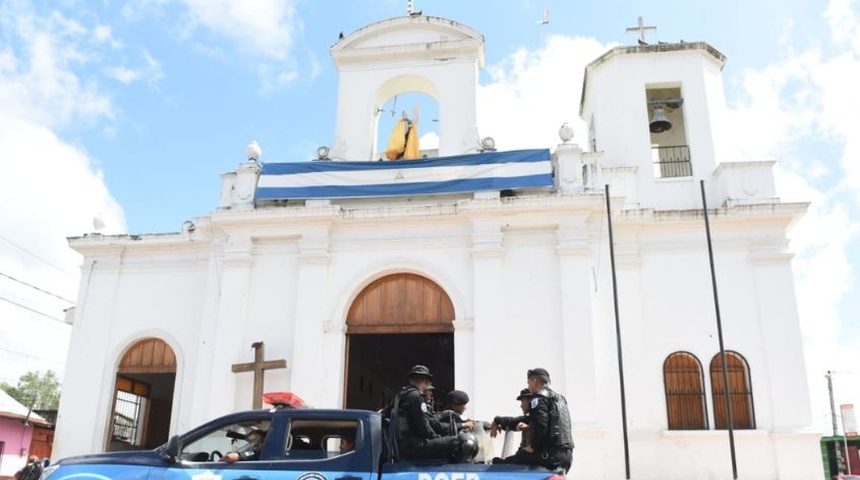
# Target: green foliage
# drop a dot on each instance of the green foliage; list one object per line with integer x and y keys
{"x": 43, "y": 387}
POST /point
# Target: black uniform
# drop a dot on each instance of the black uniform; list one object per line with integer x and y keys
{"x": 510, "y": 424}
{"x": 521, "y": 456}
{"x": 449, "y": 422}
{"x": 31, "y": 471}
{"x": 549, "y": 422}
{"x": 416, "y": 437}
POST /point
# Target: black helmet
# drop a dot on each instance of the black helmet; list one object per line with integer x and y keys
{"x": 524, "y": 394}
{"x": 457, "y": 397}
{"x": 468, "y": 447}
{"x": 538, "y": 372}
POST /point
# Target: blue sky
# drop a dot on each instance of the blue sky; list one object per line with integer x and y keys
{"x": 128, "y": 112}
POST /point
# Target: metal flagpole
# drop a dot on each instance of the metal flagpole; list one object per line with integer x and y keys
{"x": 720, "y": 335}
{"x": 618, "y": 336}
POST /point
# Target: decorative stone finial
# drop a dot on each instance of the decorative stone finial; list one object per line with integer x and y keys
{"x": 253, "y": 151}
{"x": 565, "y": 132}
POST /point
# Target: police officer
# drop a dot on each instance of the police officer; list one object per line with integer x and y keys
{"x": 519, "y": 423}
{"x": 429, "y": 398}
{"x": 416, "y": 438}
{"x": 549, "y": 423}
{"x": 451, "y": 420}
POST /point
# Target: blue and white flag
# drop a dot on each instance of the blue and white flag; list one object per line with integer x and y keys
{"x": 462, "y": 173}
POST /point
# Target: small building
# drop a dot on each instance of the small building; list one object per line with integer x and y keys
{"x": 840, "y": 454}
{"x": 17, "y": 427}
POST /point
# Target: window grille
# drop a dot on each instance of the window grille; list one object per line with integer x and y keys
{"x": 672, "y": 161}
{"x": 685, "y": 392}
{"x": 740, "y": 393}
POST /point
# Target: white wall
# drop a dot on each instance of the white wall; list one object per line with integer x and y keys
{"x": 665, "y": 306}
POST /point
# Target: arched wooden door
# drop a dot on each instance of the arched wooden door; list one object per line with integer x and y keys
{"x": 143, "y": 396}
{"x": 395, "y": 322}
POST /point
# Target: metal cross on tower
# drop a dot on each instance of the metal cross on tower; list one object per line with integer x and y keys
{"x": 259, "y": 366}
{"x": 641, "y": 28}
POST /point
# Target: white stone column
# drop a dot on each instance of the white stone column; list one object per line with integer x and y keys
{"x": 229, "y": 343}
{"x": 85, "y": 405}
{"x": 568, "y": 168}
{"x": 578, "y": 382}
{"x": 628, "y": 265}
{"x": 245, "y": 185}
{"x": 783, "y": 341}
{"x": 333, "y": 363}
{"x": 228, "y": 184}
{"x": 790, "y": 421}
{"x": 488, "y": 336}
{"x": 307, "y": 363}
{"x": 197, "y": 378}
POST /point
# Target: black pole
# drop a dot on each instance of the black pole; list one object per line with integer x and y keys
{"x": 720, "y": 335}
{"x": 618, "y": 337}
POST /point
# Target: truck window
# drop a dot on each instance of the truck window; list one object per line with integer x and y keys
{"x": 321, "y": 438}
{"x": 243, "y": 436}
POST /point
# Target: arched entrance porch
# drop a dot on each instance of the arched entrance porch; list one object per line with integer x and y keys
{"x": 397, "y": 321}
{"x": 143, "y": 397}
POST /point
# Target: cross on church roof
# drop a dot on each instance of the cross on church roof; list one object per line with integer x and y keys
{"x": 258, "y": 366}
{"x": 410, "y": 8}
{"x": 641, "y": 28}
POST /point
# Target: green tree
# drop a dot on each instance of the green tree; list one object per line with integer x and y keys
{"x": 40, "y": 389}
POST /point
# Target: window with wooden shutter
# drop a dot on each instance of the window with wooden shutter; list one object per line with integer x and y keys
{"x": 684, "y": 384}
{"x": 740, "y": 393}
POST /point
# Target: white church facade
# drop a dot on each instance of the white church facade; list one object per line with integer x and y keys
{"x": 481, "y": 265}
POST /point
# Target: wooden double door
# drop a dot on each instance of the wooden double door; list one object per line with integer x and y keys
{"x": 397, "y": 321}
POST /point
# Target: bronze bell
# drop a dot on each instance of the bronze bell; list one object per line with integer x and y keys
{"x": 659, "y": 122}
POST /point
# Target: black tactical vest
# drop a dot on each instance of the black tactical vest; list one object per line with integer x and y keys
{"x": 559, "y": 420}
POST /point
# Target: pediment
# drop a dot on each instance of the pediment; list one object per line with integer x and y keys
{"x": 415, "y": 33}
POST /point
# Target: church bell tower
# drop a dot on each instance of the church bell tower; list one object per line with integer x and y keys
{"x": 414, "y": 53}
{"x": 658, "y": 109}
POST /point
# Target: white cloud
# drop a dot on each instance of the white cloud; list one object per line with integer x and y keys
{"x": 37, "y": 79}
{"x": 261, "y": 27}
{"x": 150, "y": 72}
{"x": 104, "y": 34}
{"x": 429, "y": 141}
{"x": 802, "y": 110}
{"x": 262, "y": 31}
{"x": 50, "y": 188}
{"x": 122, "y": 74}
{"x": 532, "y": 93}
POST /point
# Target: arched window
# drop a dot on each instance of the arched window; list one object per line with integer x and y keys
{"x": 740, "y": 392}
{"x": 685, "y": 392}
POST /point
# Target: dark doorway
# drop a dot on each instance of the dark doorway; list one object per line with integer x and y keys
{"x": 377, "y": 365}
{"x": 143, "y": 397}
{"x": 142, "y": 408}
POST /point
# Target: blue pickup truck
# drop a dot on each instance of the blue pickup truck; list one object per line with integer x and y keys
{"x": 288, "y": 444}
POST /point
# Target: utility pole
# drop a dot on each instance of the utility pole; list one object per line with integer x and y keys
{"x": 833, "y": 417}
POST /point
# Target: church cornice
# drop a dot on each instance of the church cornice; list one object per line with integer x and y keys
{"x": 455, "y": 41}
{"x": 94, "y": 245}
{"x": 715, "y": 55}
{"x": 779, "y": 214}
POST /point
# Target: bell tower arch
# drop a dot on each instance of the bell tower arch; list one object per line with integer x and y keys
{"x": 416, "y": 53}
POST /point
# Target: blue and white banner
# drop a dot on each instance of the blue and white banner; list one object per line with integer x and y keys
{"x": 463, "y": 173}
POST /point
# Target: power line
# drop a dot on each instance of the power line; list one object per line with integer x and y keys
{"x": 30, "y": 355}
{"x": 30, "y": 309}
{"x": 35, "y": 256}
{"x": 35, "y": 287}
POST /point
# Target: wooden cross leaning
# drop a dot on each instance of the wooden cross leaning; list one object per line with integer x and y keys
{"x": 258, "y": 366}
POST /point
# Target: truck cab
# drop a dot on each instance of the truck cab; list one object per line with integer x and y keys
{"x": 283, "y": 444}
